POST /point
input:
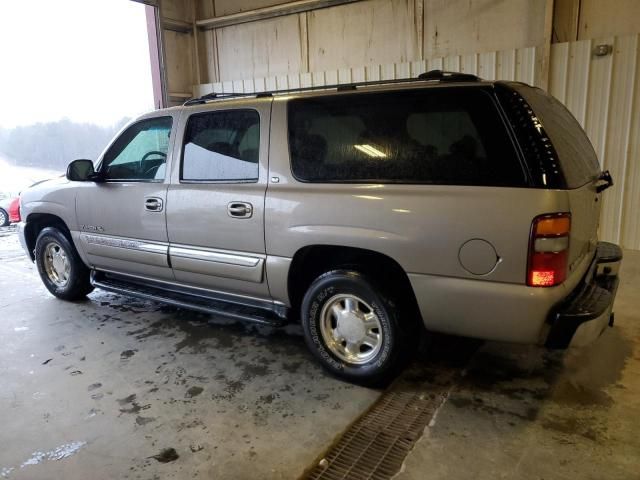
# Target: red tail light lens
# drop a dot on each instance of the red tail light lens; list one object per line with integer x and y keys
{"x": 14, "y": 210}
{"x": 549, "y": 250}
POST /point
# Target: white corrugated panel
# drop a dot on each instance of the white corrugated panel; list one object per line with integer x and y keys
{"x": 630, "y": 217}
{"x": 603, "y": 93}
{"x": 517, "y": 64}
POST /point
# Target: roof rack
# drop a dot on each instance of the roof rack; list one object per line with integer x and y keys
{"x": 215, "y": 96}
{"x": 432, "y": 75}
{"x": 447, "y": 76}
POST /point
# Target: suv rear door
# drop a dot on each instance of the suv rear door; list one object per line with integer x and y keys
{"x": 215, "y": 204}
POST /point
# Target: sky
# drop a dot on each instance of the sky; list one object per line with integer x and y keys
{"x": 85, "y": 60}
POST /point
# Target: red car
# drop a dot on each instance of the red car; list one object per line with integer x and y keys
{"x": 9, "y": 211}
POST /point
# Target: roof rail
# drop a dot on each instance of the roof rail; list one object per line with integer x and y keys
{"x": 432, "y": 75}
{"x": 216, "y": 95}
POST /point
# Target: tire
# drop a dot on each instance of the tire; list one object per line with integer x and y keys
{"x": 4, "y": 218}
{"x": 60, "y": 267}
{"x": 333, "y": 328}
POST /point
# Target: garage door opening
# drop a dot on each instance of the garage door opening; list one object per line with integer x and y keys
{"x": 71, "y": 87}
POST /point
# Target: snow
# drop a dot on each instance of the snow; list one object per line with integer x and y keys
{"x": 14, "y": 179}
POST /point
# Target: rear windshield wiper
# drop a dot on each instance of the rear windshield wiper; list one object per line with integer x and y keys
{"x": 604, "y": 177}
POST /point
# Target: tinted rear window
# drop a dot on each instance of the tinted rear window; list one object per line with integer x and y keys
{"x": 578, "y": 160}
{"x": 438, "y": 136}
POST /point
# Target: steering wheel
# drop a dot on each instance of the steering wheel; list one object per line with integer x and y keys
{"x": 147, "y": 155}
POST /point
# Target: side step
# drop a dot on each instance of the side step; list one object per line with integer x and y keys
{"x": 269, "y": 314}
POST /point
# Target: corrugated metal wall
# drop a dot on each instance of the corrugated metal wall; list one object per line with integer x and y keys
{"x": 602, "y": 92}
{"x": 517, "y": 64}
{"x": 604, "y": 95}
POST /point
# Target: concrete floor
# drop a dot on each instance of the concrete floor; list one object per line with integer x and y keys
{"x": 119, "y": 380}
{"x": 524, "y": 413}
{"x": 98, "y": 388}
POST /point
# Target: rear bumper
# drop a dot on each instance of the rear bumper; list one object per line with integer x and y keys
{"x": 587, "y": 311}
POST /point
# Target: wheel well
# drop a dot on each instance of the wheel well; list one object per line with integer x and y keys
{"x": 36, "y": 222}
{"x": 312, "y": 261}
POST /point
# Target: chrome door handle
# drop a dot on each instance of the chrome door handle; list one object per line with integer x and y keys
{"x": 153, "y": 204}
{"x": 240, "y": 210}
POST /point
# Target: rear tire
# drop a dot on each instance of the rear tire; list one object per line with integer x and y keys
{"x": 354, "y": 328}
{"x": 4, "y": 218}
{"x": 60, "y": 267}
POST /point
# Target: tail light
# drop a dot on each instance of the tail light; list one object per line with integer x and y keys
{"x": 14, "y": 210}
{"x": 549, "y": 250}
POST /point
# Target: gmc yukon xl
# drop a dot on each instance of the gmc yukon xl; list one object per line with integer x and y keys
{"x": 370, "y": 212}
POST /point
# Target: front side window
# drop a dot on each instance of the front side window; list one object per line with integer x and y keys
{"x": 222, "y": 147}
{"x": 439, "y": 136}
{"x": 140, "y": 153}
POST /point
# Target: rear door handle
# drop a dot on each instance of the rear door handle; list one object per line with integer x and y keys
{"x": 240, "y": 210}
{"x": 153, "y": 204}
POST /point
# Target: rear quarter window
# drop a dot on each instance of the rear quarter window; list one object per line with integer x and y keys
{"x": 442, "y": 136}
{"x": 577, "y": 159}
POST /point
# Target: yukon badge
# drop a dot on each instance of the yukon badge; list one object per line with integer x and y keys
{"x": 93, "y": 228}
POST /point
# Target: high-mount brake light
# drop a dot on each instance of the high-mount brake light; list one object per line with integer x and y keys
{"x": 548, "y": 250}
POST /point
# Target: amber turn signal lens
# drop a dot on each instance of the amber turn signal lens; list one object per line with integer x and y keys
{"x": 553, "y": 226}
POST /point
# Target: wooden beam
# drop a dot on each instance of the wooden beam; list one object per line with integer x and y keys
{"x": 196, "y": 51}
{"x": 542, "y": 76}
{"x": 269, "y": 12}
{"x": 174, "y": 25}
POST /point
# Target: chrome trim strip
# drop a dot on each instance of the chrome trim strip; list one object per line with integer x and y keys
{"x": 217, "y": 256}
{"x": 126, "y": 243}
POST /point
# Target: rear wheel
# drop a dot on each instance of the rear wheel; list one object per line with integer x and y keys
{"x": 354, "y": 328}
{"x": 60, "y": 267}
{"x": 4, "y": 218}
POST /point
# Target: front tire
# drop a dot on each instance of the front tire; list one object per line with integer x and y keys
{"x": 60, "y": 267}
{"x": 353, "y": 327}
{"x": 4, "y": 218}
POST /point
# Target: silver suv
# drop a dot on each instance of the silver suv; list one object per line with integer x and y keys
{"x": 370, "y": 212}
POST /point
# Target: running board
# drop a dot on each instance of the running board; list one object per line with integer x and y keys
{"x": 272, "y": 315}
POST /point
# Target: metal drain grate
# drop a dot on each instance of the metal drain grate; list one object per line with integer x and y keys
{"x": 375, "y": 446}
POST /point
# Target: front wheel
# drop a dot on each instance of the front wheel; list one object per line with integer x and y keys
{"x": 353, "y": 327}
{"x": 60, "y": 267}
{"x": 4, "y": 218}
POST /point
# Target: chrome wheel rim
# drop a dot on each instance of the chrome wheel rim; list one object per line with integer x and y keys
{"x": 350, "y": 329}
{"x": 56, "y": 264}
{"x": 3, "y": 218}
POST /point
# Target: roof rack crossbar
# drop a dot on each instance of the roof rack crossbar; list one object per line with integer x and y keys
{"x": 433, "y": 75}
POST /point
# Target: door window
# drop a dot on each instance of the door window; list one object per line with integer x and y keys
{"x": 140, "y": 153}
{"x": 222, "y": 147}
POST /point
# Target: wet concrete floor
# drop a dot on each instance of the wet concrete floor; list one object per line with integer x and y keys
{"x": 524, "y": 413}
{"x": 134, "y": 389}
{"x": 114, "y": 387}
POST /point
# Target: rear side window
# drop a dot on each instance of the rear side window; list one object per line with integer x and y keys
{"x": 222, "y": 146}
{"x": 572, "y": 160}
{"x": 438, "y": 136}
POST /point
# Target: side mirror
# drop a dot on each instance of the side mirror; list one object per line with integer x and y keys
{"x": 80, "y": 171}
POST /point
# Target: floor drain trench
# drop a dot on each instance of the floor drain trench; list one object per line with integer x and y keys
{"x": 377, "y": 443}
